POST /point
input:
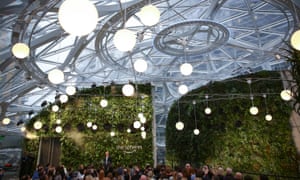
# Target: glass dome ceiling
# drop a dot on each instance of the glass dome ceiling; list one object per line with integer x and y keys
{"x": 219, "y": 38}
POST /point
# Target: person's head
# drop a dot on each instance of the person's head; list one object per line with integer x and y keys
{"x": 106, "y": 153}
{"x": 238, "y": 176}
{"x": 228, "y": 171}
{"x": 187, "y": 165}
{"x": 143, "y": 177}
{"x": 220, "y": 171}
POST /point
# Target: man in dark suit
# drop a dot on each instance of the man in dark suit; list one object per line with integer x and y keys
{"x": 107, "y": 162}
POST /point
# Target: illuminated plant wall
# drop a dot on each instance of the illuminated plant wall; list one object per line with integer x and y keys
{"x": 86, "y": 145}
{"x": 230, "y": 136}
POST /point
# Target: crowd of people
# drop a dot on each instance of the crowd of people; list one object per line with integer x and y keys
{"x": 135, "y": 172}
{"x": 161, "y": 172}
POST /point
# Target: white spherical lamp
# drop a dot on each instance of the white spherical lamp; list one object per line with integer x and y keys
{"x": 207, "y": 110}
{"x": 37, "y": 125}
{"x": 186, "y": 69}
{"x": 253, "y": 110}
{"x": 143, "y": 134}
{"x": 6, "y": 121}
{"x": 149, "y": 15}
{"x": 20, "y": 50}
{"x": 124, "y": 40}
{"x": 128, "y": 90}
{"x": 128, "y": 130}
{"x": 63, "y": 98}
{"x": 140, "y": 65}
{"x": 23, "y": 129}
{"x": 295, "y": 40}
{"x": 103, "y": 103}
{"x": 137, "y": 124}
{"x": 56, "y": 76}
{"x": 143, "y": 120}
{"x": 78, "y": 17}
{"x": 55, "y": 108}
{"x": 89, "y": 124}
{"x": 58, "y": 121}
{"x": 286, "y": 95}
{"x": 179, "y": 125}
{"x": 196, "y": 132}
{"x": 183, "y": 89}
{"x": 94, "y": 127}
{"x": 70, "y": 90}
{"x": 58, "y": 129}
{"x": 112, "y": 134}
{"x": 268, "y": 117}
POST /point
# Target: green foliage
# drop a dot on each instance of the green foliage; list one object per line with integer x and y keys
{"x": 83, "y": 145}
{"x": 230, "y": 136}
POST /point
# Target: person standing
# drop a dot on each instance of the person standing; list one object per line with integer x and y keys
{"x": 107, "y": 163}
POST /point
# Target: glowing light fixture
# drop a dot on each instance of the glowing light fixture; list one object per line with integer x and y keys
{"x": 128, "y": 90}
{"x": 58, "y": 129}
{"x": 253, "y": 110}
{"x": 103, "y": 103}
{"x": 286, "y": 95}
{"x": 23, "y": 129}
{"x": 112, "y": 133}
{"x": 20, "y": 50}
{"x": 124, "y": 40}
{"x": 89, "y": 124}
{"x": 142, "y": 128}
{"x": 137, "y": 124}
{"x": 37, "y": 125}
{"x": 94, "y": 127}
{"x": 78, "y": 17}
{"x": 183, "y": 89}
{"x": 268, "y": 117}
{"x": 143, "y": 120}
{"x": 140, "y": 65}
{"x": 58, "y": 121}
{"x": 149, "y": 15}
{"x": 295, "y": 40}
{"x": 63, "y": 98}
{"x": 55, "y": 108}
{"x": 179, "y": 125}
{"x": 143, "y": 134}
{"x": 6, "y": 121}
{"x": 128, "y": 130}
{"x": 70, "y": 90}
{"x": 186, "y": 69}
{"x": 207, "y": 110}
{"x": 56, "y": 76}
{"x": 196, "y": 132}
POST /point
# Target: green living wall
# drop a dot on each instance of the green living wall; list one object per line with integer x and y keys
{"x": 230, "y": 136}
{"x": 83, "y": 145}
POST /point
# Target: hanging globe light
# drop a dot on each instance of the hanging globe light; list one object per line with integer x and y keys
{"x": 186, "y": 69}
{"x": 128, "y": 90}
{"x": 183, "y": 89}
{"x": 286, "y": 95}
{"x": 137, "y": 124}
{"x": 63, "y": 98}
{"x": 70, "y": 90}
{"x": 124, "y": 40}
{"x": 89, "y": 124}
{"x": 56, "y": 76}
{"x": 149, "y": 15}
{"x": 207, "y": 110}
{"x": 179, "y": 125}
{"x": 103, "y": 103}
{"x": 55, "y": 108}
{"x": 20, "y": 50}
{"x": 268, "y": 117}
{"x": 253, "y": 110}
{"x": 295, "y": 40}
{"x": 78, "y": 17}
{"x": 142, "y": 128}
{"x": 143, "y": 134}
{"x": 112, "y": 134}
{"x": 140, "y": 65}
{"x": 128, "y": 130}
{"x": 140, "y": 115}
{"x": 37, "y": 125}
{"x": 196, "y": 132}
{"x": 143, "y": 120}
{"x": 58, "y": 129}
{"x": 6, "y": 121}
{"x": 58, "y": 121}
{"x": 23, "y": 129}
{"x": 94, "y": 127}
